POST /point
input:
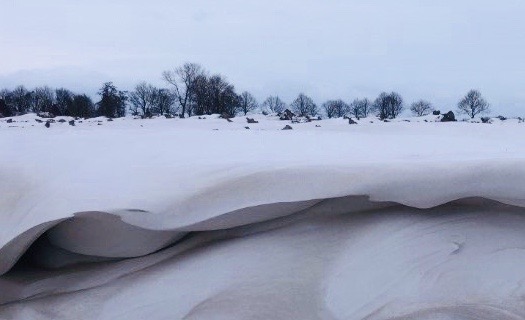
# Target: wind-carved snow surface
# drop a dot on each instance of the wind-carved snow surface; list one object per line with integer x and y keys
{"x": 170, "y": 219}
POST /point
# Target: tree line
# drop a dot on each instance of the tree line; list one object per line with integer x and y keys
{"x": 192, "y": 90}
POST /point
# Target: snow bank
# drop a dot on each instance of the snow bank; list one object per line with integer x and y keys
{"x": 162, "y": 218}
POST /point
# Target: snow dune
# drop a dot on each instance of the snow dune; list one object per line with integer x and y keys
{"x": 172, "y": 219}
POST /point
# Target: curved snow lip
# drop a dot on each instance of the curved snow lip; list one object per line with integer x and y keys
{"x": 109, "y": 242}
{"x": 252, "y": 196}
{"x": 99, "y": 236}
{"x": 104, "y": 234}
{"x": 414, "y": 184}
{"x": 73, "y": 280}
{"x": 11, "y": 252}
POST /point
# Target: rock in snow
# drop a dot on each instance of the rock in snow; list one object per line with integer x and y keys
{"x": 286, "y": 115}
{"x": 448, "y": 117}
{"x": 124, "y": 223}
{"x": 46, "y": 115}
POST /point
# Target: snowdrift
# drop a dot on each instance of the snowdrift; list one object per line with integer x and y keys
{"x": 401, "y": 221}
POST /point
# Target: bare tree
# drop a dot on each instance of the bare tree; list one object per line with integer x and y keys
{"x": 142, "y": 99}
{"x": 202, "y": 103}
{"x": 112, "y": 102}
{"x": 63, "y": 101}
{"x": 473, "y": 104}
{"x": 421, "y": 108}
{"x": 223, "y": 97}
{"x": 20, "y": 99}
{"x": 274, "y": 104}
{"x": 360, "y": 108}
{"x": 4, "y": 94}
{"x": 82, "y": 107}
{"x": 304, "y": 106}
{"x": 148, "y": 100}
{"x": 247, "y": 102}
{"x": 42, "y": 99}
{"x": 183, "y": 80}
{"x": 164, "y": 101}
{"x": 214, "y": 95}
{"x": 388, "y": 105}
{"x": 335, "y": 108}
{"x": 59, "y": 102}
{"x": 6, "y": 108}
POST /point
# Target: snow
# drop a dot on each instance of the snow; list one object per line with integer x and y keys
{"x": 204, "y": 219}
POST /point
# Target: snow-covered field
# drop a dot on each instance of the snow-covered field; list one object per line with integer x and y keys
{"x": 205, "y": 219}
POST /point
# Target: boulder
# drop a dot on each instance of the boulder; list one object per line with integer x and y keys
{"x": 72, "y": 123}
{"x": 286, "y": 115}
{"x": 310, "y": 119}
{"x": 485, "y": 120}
{"x": 225, "y": 115}
{"x": 436, "y": 112}
{"x": 61, "y": 120}
{"x": 287, "y": 127}
{"x": 47, "y": 115}
{"x": 448, "y": 117}
{"x": 9, "y": 120}
{"x": 48, "y": 124}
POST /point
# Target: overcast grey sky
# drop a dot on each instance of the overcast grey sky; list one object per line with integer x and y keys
{"x": 436, "y": 50}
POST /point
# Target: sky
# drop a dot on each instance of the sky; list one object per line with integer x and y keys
{"x": 331, "y": 49}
